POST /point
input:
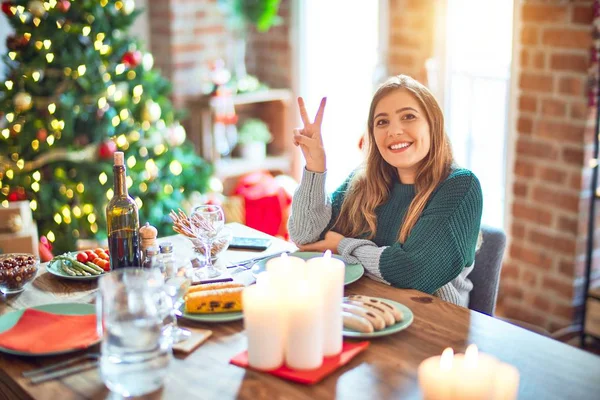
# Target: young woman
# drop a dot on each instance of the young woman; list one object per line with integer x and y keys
{"x": 408, "y": 214}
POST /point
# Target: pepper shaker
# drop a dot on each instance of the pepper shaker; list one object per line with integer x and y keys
{"x": 148, "y": 235}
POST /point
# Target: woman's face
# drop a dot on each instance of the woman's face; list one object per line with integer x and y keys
{"x": 401, "y": 132}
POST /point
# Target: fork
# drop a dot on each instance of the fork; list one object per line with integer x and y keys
{"x": 54, "y": 371}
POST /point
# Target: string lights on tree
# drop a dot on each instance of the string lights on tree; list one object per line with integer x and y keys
{"x": 64, "y": 113}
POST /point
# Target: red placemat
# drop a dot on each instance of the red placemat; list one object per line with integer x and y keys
{"x": 44, "y": 332}
{"x": 330, "y": 364}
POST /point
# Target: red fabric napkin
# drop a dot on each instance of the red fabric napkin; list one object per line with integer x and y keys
{"x": 330, "y": 364}
{"x": 43, "y": 332}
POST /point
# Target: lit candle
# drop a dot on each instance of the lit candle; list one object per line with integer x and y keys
{"x": 477, "y": 371}
{"x": 304, "y": 336}
{"x": 283, "y": 273}
{"x": 327, "y": 273}
{"x": 263, "y": 325}
{"x": 469, "y": 376}
{"x": 506, "y": 382}
{"x": 436, "y": 376}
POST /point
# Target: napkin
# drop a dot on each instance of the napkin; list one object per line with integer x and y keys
{"x": 42, "y": 332}
{"x": 330, "y": 364}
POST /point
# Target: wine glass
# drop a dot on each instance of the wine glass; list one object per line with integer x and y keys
{"x": 207, "y": 221}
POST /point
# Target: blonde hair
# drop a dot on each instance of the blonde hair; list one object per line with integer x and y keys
{"x": 370, "y": 186}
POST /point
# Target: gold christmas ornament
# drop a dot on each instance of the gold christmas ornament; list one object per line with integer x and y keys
{"x": 151, "y": 111}
{"x": 22, "y": 101}
{"x": 37, "y": 8}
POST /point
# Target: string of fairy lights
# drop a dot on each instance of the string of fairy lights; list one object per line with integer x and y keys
{"x": 51, "y": 132}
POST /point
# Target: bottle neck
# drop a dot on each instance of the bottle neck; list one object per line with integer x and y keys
{"x": 120, "y": 181}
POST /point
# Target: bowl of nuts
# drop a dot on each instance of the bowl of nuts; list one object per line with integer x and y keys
{"x": 17, "y": 270}
{"x": 219, "y": 245}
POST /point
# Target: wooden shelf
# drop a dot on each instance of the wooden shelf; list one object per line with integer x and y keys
{"x": 228, "y": 167}
{"x": 259, "y": 97}
{"x": 271, "y": 106}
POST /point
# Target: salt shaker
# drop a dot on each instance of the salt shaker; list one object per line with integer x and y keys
{"x": 148, "y": 235}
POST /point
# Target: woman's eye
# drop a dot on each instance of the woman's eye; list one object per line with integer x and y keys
{"x": 381, "y": 122}
{"x": 409, "y": 116}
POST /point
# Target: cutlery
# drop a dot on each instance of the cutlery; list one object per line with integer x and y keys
{"x": 256, "y": 259}
{"x": 54, "y": 371}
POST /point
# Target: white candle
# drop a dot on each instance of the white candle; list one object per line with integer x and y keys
{"x": 327, "y": 273}
{"x": 506, "y": 382}
{"x": 304, "y": 341}
{"x": 283, "y": 272}
{"x": 474, "y": 373}
{"x": 436, "y": 376}
{"x": 264, "y": 326}
{"x": 469, "y": 376}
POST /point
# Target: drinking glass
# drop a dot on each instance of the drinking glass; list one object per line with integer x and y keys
{"x": 207, "y": 222}
{"x": 177, "y": 282}
{"x": 135, "y": 354}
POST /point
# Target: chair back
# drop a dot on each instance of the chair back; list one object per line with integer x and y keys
{"x": 486, "y": 273}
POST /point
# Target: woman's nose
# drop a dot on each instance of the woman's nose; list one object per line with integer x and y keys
{"x": 395, "y": 129}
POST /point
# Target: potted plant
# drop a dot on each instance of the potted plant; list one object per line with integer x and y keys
{"x": 253, "y": 138}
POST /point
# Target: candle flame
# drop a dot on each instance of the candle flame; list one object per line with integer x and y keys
{"x": 471, "y": 355}
{"x": 327, "y": 254}
{"x": 446, "y": 359}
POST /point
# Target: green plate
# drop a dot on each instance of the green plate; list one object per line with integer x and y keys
{"x": 54, "y": 267}
{"x": 213, "y": 317}
{"x": 353, "y": 271}
{"x": 397, "y": 327}
{"x": 9, "y": 320}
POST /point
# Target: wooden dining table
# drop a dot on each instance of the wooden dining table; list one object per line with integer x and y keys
{"x": 387, "y": 369}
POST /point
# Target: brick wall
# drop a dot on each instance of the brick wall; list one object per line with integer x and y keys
{"x": 269, "y": 54}
{"x": 185, "y": 35}
{"x": 541, "y": 278}
{"x": 411, "y": 37}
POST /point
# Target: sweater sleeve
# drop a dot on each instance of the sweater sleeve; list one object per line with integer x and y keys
{"x": 313, "y": 212}
{"x": 440, "y": 245}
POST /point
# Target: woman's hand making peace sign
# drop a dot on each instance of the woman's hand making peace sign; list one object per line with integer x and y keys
{"x": 309, "y": 138}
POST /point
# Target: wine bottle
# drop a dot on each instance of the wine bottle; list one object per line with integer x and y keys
{"x": 122, "y": 221}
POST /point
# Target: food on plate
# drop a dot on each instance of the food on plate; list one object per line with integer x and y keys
{"x": 377, "y": 313}
{"x": 214, "y": 286}
{"x": 376, "y": 320}
{"x": 214, "y": 301}
{"x": 357, "y": 323}
{"x": 387, "y": 315}
{"x": 398, "y": 317}
{"x": 83, "y": 263}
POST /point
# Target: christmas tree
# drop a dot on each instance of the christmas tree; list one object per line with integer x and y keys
{"x": 77, "y": 89}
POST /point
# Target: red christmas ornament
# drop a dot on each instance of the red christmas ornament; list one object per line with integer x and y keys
{"x": 132, "y": 58}
{"x": 6, "y": 8}
{"x": 63, "y": 5}
{"x": 42, "y": 135}
{"x": 17, "y": 195}
{"x": 107, "y": 149}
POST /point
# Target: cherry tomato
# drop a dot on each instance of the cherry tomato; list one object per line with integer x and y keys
{"x": 91, "y": 255}
{"x": 98, "y": 250}
{"x": 103, "y": 255}
{"x": 105, "y": 265}
{"x": 82, "y": 257}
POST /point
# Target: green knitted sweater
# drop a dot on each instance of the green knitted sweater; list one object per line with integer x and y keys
{"x": 442, "y": 242}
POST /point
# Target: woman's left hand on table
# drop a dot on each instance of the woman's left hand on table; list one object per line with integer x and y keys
{"x": 331, "y": 242}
